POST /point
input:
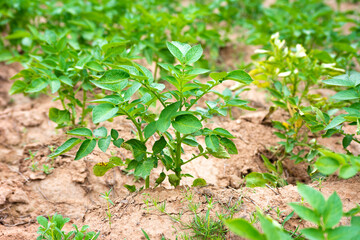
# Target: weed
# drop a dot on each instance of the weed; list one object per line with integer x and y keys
{"x": 47, "y": 169}
{"x": 106, "y": 196}
{"x": 34, "y": 165}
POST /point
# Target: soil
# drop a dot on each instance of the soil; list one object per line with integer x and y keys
{"x": 73, "y": 191}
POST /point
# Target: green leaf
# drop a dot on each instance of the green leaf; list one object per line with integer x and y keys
{"x": 347, "y": 171}
{"x": 218, "y": 75}
{"x": 144, "y": 169}
{"x": 95, "y": 66}
{"x": 66, "y": 80}
{"x": 199, "y": 182}
{"x": 220, "y": 153}
{"x": 100, "y": 132}
{"x": 131, "y": 188}
{"x": 173, "y": 180}
{"x": 159, "y": 145}
{"x": 150, "y": 129}
{"x": 160, "y": 179}
{"x": 243, "y": 228}
{"x": 101, "y": 168}
{"x": 272, "y": 229}
{"x": 36, "y": 85}
{"x": 59, "y": 116}
{"x": 335, "y": 122}
{"x": 69, "y": 144}
{"x": 164, "y": 121}
{"x": 327, "y": 165}
{"x": 333, "y": 211}
{"x": 85, "y": 149}
{"x": 212, "y": 142}
{"x": 118, "y": 142}
{"x": 312, "y": 196}
{"x": 85, "y": 132}
{"x": 193, "y": 54}
{"x": 186, "y": 124}
{"x": 103, "y": 112}
{"x": 229, "y": 145}
{"x": 104, "y": 143}
{"x": 138, "y": 149}
{"x": 114, "y": 76}
{"x": 114, "y": 134}
{"x": 223, "y": 132}
{"x": 55, "y": 85}
{"x": 350, "y": 94}
{"x": 305, "y": 213}
{"x": 175, "y": 51}
{"x": 313, "y": 233}
{"x": 255, "y": 179}
{"x": 347, "y": 140}
{"x": 342, "y": 233}
{"x": 17, "y": 87}
{"x": 239, "y": 76}
{"x": 42, "y": 221}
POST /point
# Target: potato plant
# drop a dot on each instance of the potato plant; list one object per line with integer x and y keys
{"x": 179, "y": 123}
{"x": 324, "y": 214}
{"x": 65, "y": 73}
{"x": 288, "y": 74}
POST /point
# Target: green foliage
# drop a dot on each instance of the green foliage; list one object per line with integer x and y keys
{"x": 51, "y": 229}
{"x": 329, "y": 162}
{"x": 316, "y": 26}
{"x": 178, "y": 122}
{"x": 325, "y": 214}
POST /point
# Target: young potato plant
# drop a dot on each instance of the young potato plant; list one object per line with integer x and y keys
{"x": 134, "y": 94}
{"x": 324, "y": 214}
{"x": 351, "y": 97}
{"x": 52, "y": 230}
{"x": 64, "y": 72}
{"x": 289, "y": 74}
{"x": 316, "y": 26}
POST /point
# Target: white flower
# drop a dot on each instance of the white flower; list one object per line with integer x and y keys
{"x": 300, "y": 51}
{"x": 275, "y": 35}
{"x": 332, "y": 67}
{"x": 261, "y": 51}
{"x": 284, "y": 74}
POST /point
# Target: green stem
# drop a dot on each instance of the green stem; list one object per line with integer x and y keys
{"x": 156, "y": 69}
{"x": 137, "y": 125}
{"x": 147, "y": 182}
{"x": 197, "y": 98}
{"x": 83, "y": 107}
{"x": 156, "y": 95}
{"x": 178, "y": 155}
{"x": 195, "y": 157}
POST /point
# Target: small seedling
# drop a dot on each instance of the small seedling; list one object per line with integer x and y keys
{"x": 47, "y": 169}
{"x": 51, "y": 229}
{"x": 34, "y": 165}
{"x": 106, "y": 196}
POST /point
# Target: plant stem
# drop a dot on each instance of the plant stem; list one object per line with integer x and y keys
{"x": 147, "y": 182}
{"x": 197, "y": 98}
{"x": 195, "y": 157}
{"x": 156, "y": 69}
{"x": 178, "y": 155}
{"x": 83, "y": 108}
